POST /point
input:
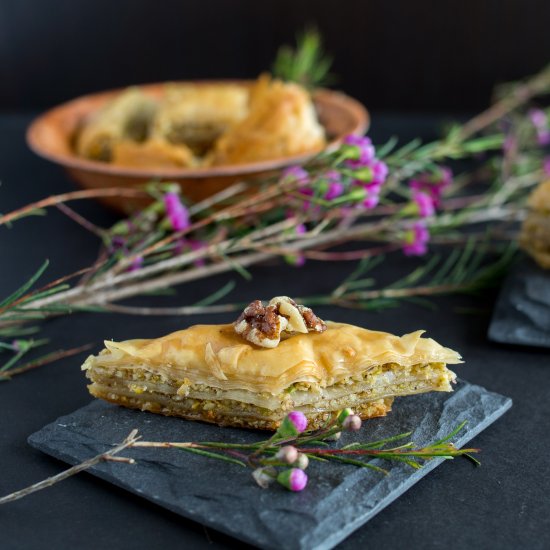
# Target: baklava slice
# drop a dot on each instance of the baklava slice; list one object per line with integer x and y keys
{"x": 197, "y": 114}
{"x": 281, "y": 122}
{"x": 274, "y": 359}
{"x": 153, "y": 153}
{"x": 128, "y": 116}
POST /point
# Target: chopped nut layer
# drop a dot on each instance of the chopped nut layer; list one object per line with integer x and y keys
{"x": 265, "y": 325}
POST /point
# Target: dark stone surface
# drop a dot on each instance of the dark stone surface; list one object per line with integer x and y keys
{"x": 338, "y": 500}
{"x": 522, "y": 312}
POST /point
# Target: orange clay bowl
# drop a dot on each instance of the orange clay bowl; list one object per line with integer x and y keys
{"x": 52, "y": 134}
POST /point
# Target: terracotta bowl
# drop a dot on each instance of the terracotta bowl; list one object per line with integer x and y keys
{"x": 51, "y": 136}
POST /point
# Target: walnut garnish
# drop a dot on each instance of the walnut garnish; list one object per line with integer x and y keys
{"x": 266, "y": 325}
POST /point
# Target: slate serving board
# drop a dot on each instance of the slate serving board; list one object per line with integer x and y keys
{"x": 522, "y": 312}
{"x": 338, "y": 500}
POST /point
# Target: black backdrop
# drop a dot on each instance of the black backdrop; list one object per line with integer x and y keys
{"x": 391, "y": 54}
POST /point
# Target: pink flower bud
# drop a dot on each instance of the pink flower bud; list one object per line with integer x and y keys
{"x": 371, "y": 201}
{"x": 379, "y": 171}
{"x": 416, "y": 240}
{"x": 296, "y": 173}
{"x": 352, "y": 423}
{"x": 293, "y": 479}
{"x": 538, "y": 118}
{"x": 335, "y": 189}
{"x": 299, "y": 420}
{"x": 288, "y": 454}
{"x": 136, "y": 264}
{"x": 176, "y": 212}
{"x": 293, "y": 424}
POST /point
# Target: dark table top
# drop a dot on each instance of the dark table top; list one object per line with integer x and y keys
{"x": 502, "y": 504}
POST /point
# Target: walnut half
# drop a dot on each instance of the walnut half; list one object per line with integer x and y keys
{"x": 282, "y": 317}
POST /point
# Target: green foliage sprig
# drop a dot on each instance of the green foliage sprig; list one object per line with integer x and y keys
{"x": 307, "y": 64}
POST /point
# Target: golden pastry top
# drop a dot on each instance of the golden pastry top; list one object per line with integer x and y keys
{"x": 215, "y": 355}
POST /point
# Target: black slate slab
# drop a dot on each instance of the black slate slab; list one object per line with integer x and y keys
{"x": 338, "y": 499}
{"x": 522, "y": 312}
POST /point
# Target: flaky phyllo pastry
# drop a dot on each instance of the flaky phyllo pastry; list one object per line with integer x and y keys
{"x": 281, "y": 122}
{"x": 272, "y": 360}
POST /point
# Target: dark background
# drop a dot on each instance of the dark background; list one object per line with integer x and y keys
{"x": 421, "y": 55}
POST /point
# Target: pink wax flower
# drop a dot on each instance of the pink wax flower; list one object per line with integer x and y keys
{"x": 335, "y": 189}
{"x": 197, "y": 245}
{"x": 538, "y": 118}
{"x": 379, "y": 171}
{"x": 424, "y": 203}
{"x": 434, "y": 184}
{"x": 117, "y": 242}
{"x": 136, "y": 264}
{"x": 371, "y": 201}
{"x": 510, "y": 144}
{"x": 301, "y": 229}
{"x": 293, "y": 479}
{"x": 543, "y": 137}
{"x": 297, "y": 260}
{"x": 176, "y": 212}
{"x": 296, "y": 173}
{"x": 307, "y": 192}
{"x": 365, "y": 150}
{"x": 416, "y": 240}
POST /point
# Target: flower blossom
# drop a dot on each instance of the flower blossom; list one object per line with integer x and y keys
{"x": 136, "y": 264}
{"x": 433, "y": 184}
{"x": 424, "y": 204}
{"x": 540, "y": 122}
{"x": 335, "y": 187}
{"x": 296, "y": 173}
{"x": 184, "y": 245}
{"x": 177, "y": 213}
{"x": 369, "y": 172}
{"x": 357, "y": 181}
{"x": 416, "y": 240}
{"x": 365, "y": 150}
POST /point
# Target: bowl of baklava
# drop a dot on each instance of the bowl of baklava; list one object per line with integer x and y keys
{"x": 204, "y": 135}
